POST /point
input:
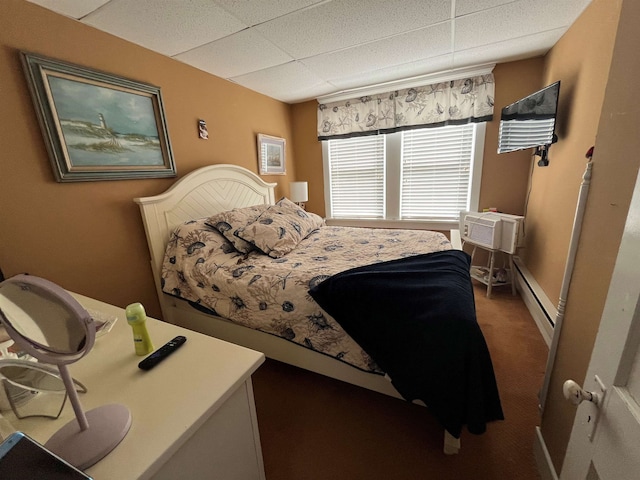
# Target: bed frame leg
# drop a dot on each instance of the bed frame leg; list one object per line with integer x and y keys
{"x": 451, "y": 444}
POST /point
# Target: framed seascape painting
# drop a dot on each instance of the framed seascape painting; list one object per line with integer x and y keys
{"x": 271, "y": 155}
{"x": 98, "y": 126}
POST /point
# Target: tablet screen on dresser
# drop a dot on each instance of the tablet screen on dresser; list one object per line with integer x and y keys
{"x": 22, "y": 458}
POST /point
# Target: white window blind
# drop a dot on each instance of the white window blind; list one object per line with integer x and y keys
{"x": 436, "y": 172}
{"x": 522, "y": 134}
{"x": 418, "y": 178}
{"x": 357, "y": 177}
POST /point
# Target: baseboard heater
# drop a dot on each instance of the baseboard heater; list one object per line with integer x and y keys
{"x": 540, "y": 307}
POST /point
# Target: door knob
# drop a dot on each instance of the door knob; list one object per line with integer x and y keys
{"x": 576, "y": 395}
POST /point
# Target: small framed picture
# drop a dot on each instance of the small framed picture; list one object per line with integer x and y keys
{"x": 271, "y": 158}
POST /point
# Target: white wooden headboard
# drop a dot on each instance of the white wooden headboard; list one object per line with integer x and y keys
{"x": 199, "y": 194}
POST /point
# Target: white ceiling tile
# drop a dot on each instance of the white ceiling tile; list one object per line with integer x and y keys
{"x": 287, "y": 82}
{"x": 253, "y": 13}
{"x": 398, "y": 72}
{"x": 509, "y": 50}
{"x": 302, "y": 93}
{"x": 341, "y": 24}
{"x": 71, "y": 8}
{"x": 251, "y": 52}
{"x": 513, "y": 20}
{"x": 402, "y": 49}
{"x": 165, "y": 26}
{"x": 465, "y": 7}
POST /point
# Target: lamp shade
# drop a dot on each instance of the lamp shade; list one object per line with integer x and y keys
{"x": 298, "y": 192}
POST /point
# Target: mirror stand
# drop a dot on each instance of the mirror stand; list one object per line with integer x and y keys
{"x": 51, "y": 326}
{"x": 86, "y": 440}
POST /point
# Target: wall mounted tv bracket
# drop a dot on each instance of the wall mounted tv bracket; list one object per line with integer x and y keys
{"x": 543, "y": 152}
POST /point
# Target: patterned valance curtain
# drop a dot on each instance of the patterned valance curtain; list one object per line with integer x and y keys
{"x": 446, "y": 103}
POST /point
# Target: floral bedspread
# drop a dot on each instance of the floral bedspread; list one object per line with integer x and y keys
{"x": 271, "y": 295}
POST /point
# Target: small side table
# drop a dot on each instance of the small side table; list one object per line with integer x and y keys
{"x": 485, "y": 275}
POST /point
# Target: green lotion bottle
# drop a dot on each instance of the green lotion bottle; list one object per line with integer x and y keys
{"x": 137, "y": 317}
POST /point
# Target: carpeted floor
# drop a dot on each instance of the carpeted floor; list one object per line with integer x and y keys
{"x": 316, "y": 428}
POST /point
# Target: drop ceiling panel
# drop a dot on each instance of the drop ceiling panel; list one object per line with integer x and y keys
{"x": 253, "y": 13}
{"x": 71, "y": 8}
{"x": 511, "y": 21}
{"x": 341, "y": 24}
{"x": 165, "y": 26}
{"x": 285, "y": 82}
{"x": 404, "y": 71}
{"x": 402, "y": 49}
{"x": 251, "y": 52}
{"x": 465, "y": 7}
{"x": 509, "y": 50}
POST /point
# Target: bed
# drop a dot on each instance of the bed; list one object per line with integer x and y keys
{"x": 179, "y": 227}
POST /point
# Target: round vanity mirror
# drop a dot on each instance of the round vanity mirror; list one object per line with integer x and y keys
{"x": 50, "y": 325}
{"x": 46, "y": 318}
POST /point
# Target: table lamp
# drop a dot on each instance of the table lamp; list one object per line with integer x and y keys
{"x": 299, "y": 193}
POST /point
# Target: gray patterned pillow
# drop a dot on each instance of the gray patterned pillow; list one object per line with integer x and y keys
{"x": 227, "y": 223}
{"x": 280, "y": 228}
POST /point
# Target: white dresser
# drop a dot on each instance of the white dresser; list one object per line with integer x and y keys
{"x": 193, "y": 415}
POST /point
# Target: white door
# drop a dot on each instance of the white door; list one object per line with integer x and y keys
{"x": 605, "y": 440}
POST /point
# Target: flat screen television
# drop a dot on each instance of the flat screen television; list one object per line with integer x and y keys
{"x": 530, "y": 122}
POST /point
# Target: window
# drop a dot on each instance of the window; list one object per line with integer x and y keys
{"x": 423, "y": 176}
{"x": 357, "y": 171}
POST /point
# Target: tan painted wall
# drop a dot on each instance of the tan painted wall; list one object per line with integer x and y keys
{"x": 88, "y": 236}
{"x": 580, "y": 60}
{"x": 505, "y": 176}
{"x": 608, "y": 69}
{"x": 308, "y": 153}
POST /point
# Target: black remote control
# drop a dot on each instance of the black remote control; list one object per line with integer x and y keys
{"x": 162, "y": 353}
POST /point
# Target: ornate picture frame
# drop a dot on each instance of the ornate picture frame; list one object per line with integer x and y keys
{"x": 98, "y": 126}
{"x": 271, "y": 155}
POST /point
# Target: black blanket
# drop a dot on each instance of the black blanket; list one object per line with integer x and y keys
{"x": 416, "y": 318}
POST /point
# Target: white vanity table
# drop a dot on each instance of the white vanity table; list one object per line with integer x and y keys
{"x": 193, "y": 415}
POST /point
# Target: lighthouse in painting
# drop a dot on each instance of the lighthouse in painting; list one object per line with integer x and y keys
{"x": 112, "y": 142}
